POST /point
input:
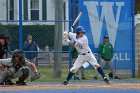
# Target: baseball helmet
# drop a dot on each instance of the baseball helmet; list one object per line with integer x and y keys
{"x": 80, "y": 29}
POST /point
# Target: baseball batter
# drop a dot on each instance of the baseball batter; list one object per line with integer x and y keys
{"x": 85, "y": 54}
{"x": 17, "y": 68}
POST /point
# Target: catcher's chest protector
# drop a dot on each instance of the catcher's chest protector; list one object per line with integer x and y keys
{"x": 18, "y": 65}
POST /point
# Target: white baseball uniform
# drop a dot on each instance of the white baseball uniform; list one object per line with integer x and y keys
{"x": 85, "y": 53}
{"x": 7, "y": 62}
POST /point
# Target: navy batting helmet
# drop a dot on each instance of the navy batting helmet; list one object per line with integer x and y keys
{"x": 80, "y": 29}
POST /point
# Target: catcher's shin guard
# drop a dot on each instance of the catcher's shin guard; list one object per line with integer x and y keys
{"x": 25, "y": 75}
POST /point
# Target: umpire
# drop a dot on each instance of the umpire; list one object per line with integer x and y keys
{"x": 106, "y": 52}
{"x": 4, "y": 48}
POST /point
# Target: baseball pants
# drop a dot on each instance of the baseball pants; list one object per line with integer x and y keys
{"x": 110, "y": 66}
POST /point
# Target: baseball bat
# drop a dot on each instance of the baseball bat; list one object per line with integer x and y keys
{"x": 76, "y": 20}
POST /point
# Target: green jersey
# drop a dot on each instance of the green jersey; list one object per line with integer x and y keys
{"x": 106, "y": 51}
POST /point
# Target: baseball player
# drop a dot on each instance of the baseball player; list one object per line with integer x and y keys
{"x": 106, "y": 53}
{"x": 4, "y": 50}
{"x": 85, "y": 55}
{"x": 17, "y": 68}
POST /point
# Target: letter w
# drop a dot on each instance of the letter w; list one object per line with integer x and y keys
{"x": 107, "y": 13}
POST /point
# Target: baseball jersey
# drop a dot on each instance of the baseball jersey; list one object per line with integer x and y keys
{"x": 83, "y": 43}
{"x": 106, "y": 51}
{"x": 7, "y": 62}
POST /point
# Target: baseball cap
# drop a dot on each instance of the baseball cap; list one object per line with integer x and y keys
{"x": 106, "y": 36}
{"x": 2, "y": 36}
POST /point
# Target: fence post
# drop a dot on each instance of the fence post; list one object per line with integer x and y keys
{"x": 133, "y": 39}
{"x": 58, "y": 38}
{"x": 70, "y": 18}
{"x": 20, "y": 24}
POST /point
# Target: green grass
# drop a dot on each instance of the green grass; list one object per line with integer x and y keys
{"x": 47, "y": 75}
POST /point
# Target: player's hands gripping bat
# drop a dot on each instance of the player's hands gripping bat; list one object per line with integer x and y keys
{"x": 66, "y": 37}
{"x": 66, "y": 33}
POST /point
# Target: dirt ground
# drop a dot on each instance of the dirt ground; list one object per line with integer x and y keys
{"x": 135, "y": 86}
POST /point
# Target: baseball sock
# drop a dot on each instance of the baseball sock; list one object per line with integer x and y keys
{"x": 101, "y": 71}
{"x": 69, "y": 76}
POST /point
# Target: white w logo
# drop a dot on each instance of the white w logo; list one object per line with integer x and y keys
{"x": 107, "y": 13}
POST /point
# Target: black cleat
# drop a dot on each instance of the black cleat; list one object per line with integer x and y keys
{"x": 65, "y": 83}
{"x": 95, "y": 78}
{"x": 9, "y": 82}
{"x": 107, "y": 80}
{"x": 1, "y": 83}
{"x": 116, "y": 77}
{"x": 77, "y": 78}
{"x": 20, "y": 83}
{"x": 83, "y": 78}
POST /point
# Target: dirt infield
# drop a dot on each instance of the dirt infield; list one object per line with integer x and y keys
{"x": 135, "y": 86}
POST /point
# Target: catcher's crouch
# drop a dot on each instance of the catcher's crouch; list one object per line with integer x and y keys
{"x": 17, "y": 67}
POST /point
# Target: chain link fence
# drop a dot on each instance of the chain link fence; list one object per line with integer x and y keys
{"x": 37, "y": 18}
{"x": 45, "y": 20}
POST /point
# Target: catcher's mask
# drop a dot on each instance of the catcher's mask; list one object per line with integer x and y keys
{"x": 18, "y": 55}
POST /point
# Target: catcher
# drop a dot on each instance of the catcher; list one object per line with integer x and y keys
{"x": 17, "y": 68}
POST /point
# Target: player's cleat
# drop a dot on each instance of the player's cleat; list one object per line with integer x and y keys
{"x": 1, "y": 83}
{"x": 65, "y": 83}
{"x": 83, "y": 78}
{"x": 95, "y": 78}
{"x": 9, "y": 82}
{"x": 20, "y": 83}
{"x": 110, "y": 75}
{"x": 77, "y": 78}
{"x": 116, "y": 77}
{"x": 107, "y": 80}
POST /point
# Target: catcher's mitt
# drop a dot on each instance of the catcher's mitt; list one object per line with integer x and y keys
{"x": 35, "y": 76}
